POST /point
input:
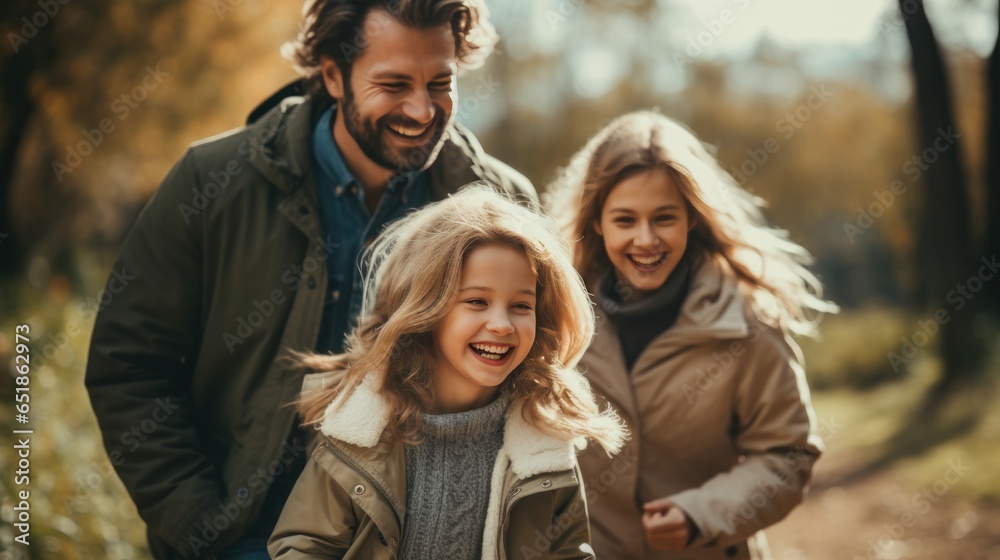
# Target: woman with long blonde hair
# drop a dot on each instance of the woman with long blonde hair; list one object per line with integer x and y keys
{"x": 696, "y": 296}
{"x": 450, "y": 426}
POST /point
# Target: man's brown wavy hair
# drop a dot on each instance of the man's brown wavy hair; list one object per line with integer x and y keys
{"x": 335, "y": 29}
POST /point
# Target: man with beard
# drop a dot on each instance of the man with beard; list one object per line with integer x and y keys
{"x": 250, "y": 249}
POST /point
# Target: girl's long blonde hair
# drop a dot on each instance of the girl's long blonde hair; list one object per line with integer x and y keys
{"x": 413, "y": 272}
{"x": 729, "y": 224}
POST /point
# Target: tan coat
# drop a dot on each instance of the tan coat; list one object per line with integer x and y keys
{"x": 351, "y": 500}
{"x": 721, "y": 423}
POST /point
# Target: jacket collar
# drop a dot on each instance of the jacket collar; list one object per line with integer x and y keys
{"x": 715, "y": 306}
{"x": 713, "y": 309}
{"x": 280, "y": 144}
{"x": 361, "y": 418}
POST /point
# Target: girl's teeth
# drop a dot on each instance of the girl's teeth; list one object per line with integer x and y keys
{"x": 646, "y": 260}
{"x": 491, "y": 352}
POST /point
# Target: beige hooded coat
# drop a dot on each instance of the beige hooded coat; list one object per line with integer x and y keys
{"x": 721, "y": 423}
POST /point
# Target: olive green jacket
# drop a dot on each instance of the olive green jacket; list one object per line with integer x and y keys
{"x": 721, "y": 424}
{"x": 223, "y": 271}
{"x": 351, "y": 500}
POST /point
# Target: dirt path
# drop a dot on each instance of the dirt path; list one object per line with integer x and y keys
{"x": 879, "y": 517}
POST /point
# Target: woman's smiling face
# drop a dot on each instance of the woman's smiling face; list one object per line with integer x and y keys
{"x": 644, "y": 224}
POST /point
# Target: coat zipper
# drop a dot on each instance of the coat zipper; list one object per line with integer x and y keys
{"x": 509, "y": 503}
{"x": 503, "y": 520}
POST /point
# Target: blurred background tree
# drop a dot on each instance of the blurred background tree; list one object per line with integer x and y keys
{"x": 946, "y": 223}
{"x": 811, "y": 105}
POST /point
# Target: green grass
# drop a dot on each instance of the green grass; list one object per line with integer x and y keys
{"x": 853, "y": 348}
{"x": 78, "y": 506}
{"x": 890, "y": 427}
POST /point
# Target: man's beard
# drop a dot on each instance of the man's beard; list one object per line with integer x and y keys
{"x": 367, "y": 135}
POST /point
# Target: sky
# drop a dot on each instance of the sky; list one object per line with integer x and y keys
{"x": 788, "y": 23}
{"x": 791, "y": 23}
{"x": 832, "y": 37}
{"x": 836, "y": 23}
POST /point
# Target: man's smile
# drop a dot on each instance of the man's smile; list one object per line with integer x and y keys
{"x": 410, "y": 131}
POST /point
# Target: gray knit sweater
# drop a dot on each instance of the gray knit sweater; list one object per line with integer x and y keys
{"x": 448, "y": 483}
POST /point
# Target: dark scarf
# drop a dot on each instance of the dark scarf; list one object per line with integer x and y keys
{"x": 639, "y": 322}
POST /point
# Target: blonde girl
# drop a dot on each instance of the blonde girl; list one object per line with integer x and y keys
{"x": 696, "y": 298}
{"x": 450, "y": 426}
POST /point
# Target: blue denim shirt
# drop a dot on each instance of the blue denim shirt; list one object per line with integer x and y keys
{"x": 351, "y": 226}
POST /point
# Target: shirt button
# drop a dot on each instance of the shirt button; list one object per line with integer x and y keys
{"x": 336, "y": 296}
{"x": 338, "y": 191}
{"x": 311, "y": 283}
{"x": 546, "y": 483}
{"x": 394, "y": 541}
{"x": 359, "y": 489}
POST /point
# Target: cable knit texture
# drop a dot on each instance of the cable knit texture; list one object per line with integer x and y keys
{"x": 448, "y": 483}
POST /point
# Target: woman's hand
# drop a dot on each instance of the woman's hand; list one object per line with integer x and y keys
{"x": 667, "y": 527}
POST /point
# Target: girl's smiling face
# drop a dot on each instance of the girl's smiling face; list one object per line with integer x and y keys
{"x": 488, "y": 331}
{"x": 644, "y": 224}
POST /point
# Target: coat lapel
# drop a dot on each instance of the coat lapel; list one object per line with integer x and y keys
{"x": 604, "y": 366}
{"x": 357, "y": 418}
{"x": 355, "y": 424}
{"x": 532, "y": 451}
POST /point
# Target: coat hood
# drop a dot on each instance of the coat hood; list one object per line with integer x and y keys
{"x": 714, "y": 307}
{"x": 361, "y": 418}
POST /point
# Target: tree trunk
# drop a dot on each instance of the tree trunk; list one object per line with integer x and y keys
{"x": 991, "y": 246}
{"x": 16, "y": 110}
{"x": 946, "y": 257}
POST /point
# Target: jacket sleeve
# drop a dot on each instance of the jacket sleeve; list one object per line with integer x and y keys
{"x": 574, "y": 542}
{"x": 318, "y": 521}
{"x": 775, "y": 433}
{"x": 144, "y": 345}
